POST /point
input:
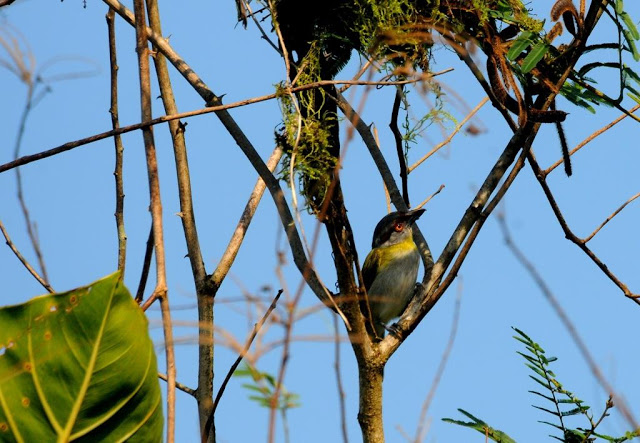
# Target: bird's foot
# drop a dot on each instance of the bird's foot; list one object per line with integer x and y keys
{"x": 393, "y": 329}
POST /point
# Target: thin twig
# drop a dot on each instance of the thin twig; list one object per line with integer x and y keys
{"x": 535, "y": 167}
{"x": 387, "y": 199}
{"x": 275, "y": 397}
{"x": 566, "y": 320}
{"x": 428, "y": 199}
{"x": 341, "y": 393}
{"x": 24, "y": 261}
{"x": 421, "y": 431}
{"x": 22, "y": 63}
{"x": 31, "y": 226}
{"x": 119, "y": 148}
{"x": 265, "y": 36}
{"x": 284, "y": 53}
{"x": 402, "y": 160}
{"x": 247, "y": 345}
{"x": 160, "y": 290}
{"x": 182, "y": 387}
{"x": 605, "y": 413}
{"x": 590, "y": 138}
{"x": 610, "y": 217}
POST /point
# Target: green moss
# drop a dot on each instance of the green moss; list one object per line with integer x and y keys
{"x": 308, "y": 134}
{"x": 397, "y": 33}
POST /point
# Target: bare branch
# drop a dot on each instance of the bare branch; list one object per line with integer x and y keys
{"x": 119, "y": 148}
{"x": 23, "y": 260}
{"x": 204, "y": 293}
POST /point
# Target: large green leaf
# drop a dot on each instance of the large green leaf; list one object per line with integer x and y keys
{"x": 78, "y": 366}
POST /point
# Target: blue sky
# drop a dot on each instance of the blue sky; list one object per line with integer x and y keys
{"x": 71, "y": 197}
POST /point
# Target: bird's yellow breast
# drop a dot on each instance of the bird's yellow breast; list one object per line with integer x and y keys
{"x": 398, "y": 250}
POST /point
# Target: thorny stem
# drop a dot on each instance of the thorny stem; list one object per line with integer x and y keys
{"x": 26, "y": 159}
{"x": 204, "y": 292}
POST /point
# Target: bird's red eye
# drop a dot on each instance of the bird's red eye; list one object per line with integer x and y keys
{"x": 398, "y": 227}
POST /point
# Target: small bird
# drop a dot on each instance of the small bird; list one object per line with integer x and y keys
{"x": 391, "y": 268}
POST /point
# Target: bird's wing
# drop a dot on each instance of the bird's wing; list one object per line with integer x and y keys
{"x": 370, "y": 268}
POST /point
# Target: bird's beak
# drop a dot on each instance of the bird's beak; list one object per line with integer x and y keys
{"x": 415, "y": 215}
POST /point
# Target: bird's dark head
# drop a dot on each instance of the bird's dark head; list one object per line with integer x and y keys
{"x": 395, "y": 228}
